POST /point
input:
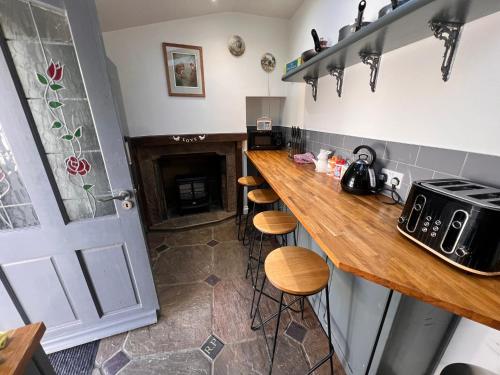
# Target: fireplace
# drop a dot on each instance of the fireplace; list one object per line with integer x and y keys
{"x": 192, "y": 182}
{"x": 160, "y": 162}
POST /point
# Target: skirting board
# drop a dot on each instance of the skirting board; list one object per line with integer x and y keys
{"x": 97, "y": 333}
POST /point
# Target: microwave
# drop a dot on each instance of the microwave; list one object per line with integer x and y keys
{"x": 265, "y": 140}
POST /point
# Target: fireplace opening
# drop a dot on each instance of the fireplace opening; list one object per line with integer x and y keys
{"x": 192, "y": 183}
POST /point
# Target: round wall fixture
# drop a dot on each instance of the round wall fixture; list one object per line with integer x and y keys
{"x": 236, "y": 45}
{"x": 268, "y": 62}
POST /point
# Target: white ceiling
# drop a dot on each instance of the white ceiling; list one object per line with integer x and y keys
{"x": 120, "y": 14}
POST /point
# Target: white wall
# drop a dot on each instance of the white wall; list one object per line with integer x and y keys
{"x": 137, "y": 53}
{"x": 412, "y": 104}
{"x": 473, "y": 343}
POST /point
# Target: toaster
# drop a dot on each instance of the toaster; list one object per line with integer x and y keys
{"x": 457, "y": 220}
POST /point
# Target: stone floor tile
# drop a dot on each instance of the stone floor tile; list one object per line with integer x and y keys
{"x": 184, "y": 265}
{"x": 310, "y": 321}
{"x": 212, "y": 243}
{"x": 232, "y": 302}
{"x": 186, "y": 363}
{"x": 189, "y": 237}
{"x": 185, "y": 321}
{"x": 251, "y": 358}
{"x": 296, "y": 331}
{"x": 290, "y": 358}
{"x": 212, "y": 280}
{"x": 113, "y": 365}
{"x": 108, "y": 347}
{"x": 155, "y": 239}
{"x": 212, "y": 347}
{"x": 161, "y": 248}
{"x": 230, "y": 260}
{"x": 226, "y": 231}
{"x": 315, "y": 346}
{"x": 231, "y": 318}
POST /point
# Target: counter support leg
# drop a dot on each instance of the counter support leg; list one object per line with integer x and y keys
{"x": 377, "y": 338}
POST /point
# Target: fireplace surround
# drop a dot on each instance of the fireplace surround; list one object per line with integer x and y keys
{"x": 147, "y": 154}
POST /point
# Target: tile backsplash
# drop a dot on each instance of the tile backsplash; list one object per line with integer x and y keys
{"x": 414, "y": 161}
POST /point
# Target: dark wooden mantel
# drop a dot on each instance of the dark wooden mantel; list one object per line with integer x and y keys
{"x": 163, "y": 140}
{"x": 146, "y": 151}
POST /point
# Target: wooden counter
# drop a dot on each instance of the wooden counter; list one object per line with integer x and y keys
{"x": 22, "y": 344}
{"x": 359, "y": 235}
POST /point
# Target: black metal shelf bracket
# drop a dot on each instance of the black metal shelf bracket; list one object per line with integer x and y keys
{"x": 373, "y": 61}
{"x": 338, "y": 73}
{"x": 314, "y": 85}
{"x": 449, "y": 32}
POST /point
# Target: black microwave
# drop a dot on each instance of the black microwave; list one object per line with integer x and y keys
{"x": 265, "y": 140}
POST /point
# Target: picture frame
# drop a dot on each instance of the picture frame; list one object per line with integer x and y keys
{"x": 184, "y": 67}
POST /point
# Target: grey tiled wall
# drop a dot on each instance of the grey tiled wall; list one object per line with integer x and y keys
{"x": 414, "y": 161}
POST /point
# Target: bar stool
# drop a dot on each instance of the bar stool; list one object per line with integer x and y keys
{"x": 299, "y": 272}
{"x": 273, "y": 223}
{"x": 259, "y": 197}
{"x": 249, "y": 182}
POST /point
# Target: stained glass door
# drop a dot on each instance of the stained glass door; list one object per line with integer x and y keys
{"x": 70, "y": 254}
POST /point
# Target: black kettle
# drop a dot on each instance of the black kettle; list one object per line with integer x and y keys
{"x": 360, "y": 177}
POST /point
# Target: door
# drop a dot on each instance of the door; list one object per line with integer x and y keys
{"x": 69, "y": 255}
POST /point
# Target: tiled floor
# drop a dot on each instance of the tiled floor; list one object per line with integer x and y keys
{"x": 203, "y": 291}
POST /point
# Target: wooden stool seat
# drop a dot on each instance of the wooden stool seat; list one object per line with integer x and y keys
{"x": 297, "y": 271}
{"x": 275, "y": 222}
{"x": 250, "y": 181}
{"x": 263, "y": 196}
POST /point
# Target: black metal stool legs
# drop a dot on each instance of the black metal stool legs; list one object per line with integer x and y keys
{"x": 275, "y": 341}
{"x": 254, "y": 282}
{"x": 245, "y": 230}
{"x": 282, "y": 307}
{"x": 332, "y": 350}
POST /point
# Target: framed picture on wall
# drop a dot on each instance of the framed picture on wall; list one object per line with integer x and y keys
{"x": 184, "y": 65}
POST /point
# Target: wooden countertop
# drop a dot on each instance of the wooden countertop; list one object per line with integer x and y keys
{"x": 359, "y": 235}
{"x": 22, "y": 343}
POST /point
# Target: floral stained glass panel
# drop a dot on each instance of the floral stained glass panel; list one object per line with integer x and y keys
{"x": 41, "y": 46}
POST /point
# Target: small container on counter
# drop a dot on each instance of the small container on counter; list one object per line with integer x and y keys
{"x": 331, "y": 165}
{"x": 340, "y": 165}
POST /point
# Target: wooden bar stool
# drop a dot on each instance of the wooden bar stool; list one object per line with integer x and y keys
{"x": 248, "y": 182}
{"x": 273, "y": 223}
{"x": 259, "y": 197}
{"x": 299, "y": 272}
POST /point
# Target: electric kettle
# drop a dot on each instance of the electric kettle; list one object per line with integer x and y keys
{"x": 360, "y": 177}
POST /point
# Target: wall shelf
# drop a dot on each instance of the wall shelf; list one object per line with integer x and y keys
{"x": 409, "y": 23}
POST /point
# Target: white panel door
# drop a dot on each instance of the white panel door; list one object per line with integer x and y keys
{"x": 69, "y": 254}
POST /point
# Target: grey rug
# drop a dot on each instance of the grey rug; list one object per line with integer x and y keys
{"x": 75, "y": 361}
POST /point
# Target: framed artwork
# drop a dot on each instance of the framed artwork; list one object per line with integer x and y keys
{"x": 184, "y": 65}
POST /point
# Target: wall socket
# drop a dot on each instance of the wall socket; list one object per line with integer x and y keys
{"x": 393, "y": 174}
